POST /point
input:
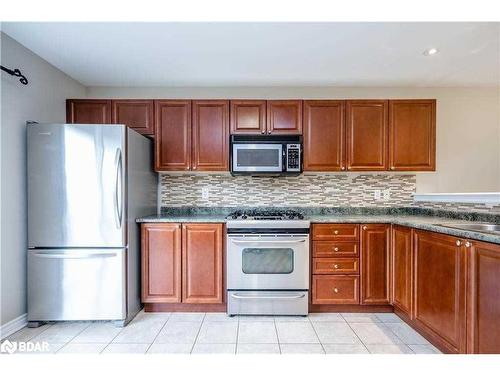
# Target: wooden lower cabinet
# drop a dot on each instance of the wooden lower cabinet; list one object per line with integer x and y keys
{"x": 335, "y": 289}
{"x": 374, "y": 258}
{"x": 182, "y": 263}
{"x": 483, "y": 312}
{"x": 440, "y": 281}
{"x": 402, "y": 269}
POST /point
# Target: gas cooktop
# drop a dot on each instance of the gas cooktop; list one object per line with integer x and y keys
{"x": 266, "y": 215}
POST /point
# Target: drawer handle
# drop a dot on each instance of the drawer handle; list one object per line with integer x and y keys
{"x": 335, "y": 290}
{"x": 335, "y": 266}
{"x": 335, "y": 232}
{"x": 335, "y": 249}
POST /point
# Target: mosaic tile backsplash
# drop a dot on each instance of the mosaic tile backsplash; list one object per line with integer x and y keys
{"x": 306, "y": 190}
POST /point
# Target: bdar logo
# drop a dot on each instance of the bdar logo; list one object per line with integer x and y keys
{"x": 8, "y": 347}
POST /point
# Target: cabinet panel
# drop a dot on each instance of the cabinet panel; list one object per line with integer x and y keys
{"x": 88, "y": 111}
{"x": 402, "y": 269}
{"x": 412, "y": 135}
{"x": 248, "y": 116}
{"x": 284, "y": 116}
{"x": 173, "y": 135}
{"x": 210, "y": 135}
{"x": 484, "y": 299}
{"x": 375, "y": 264}
{"x": 367, "y": 133}
{"x": 136, "y": 114}
{"x": 339, "y": 289}
{"x": 439, "y": 302}
{"x": 161, "y": 263}
{"x": 202, "y": 263}
{"x": 324, "y": 130}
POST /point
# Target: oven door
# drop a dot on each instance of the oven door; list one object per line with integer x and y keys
{"x": 268, "y": 262}
{"x": 256, "y": 157}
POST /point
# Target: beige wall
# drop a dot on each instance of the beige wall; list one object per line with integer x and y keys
{"x": 43, "y": 100}
{"x": 468, "y": 125}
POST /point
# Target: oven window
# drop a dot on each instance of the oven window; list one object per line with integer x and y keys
{"x": 267, "y": 261}
{"x": 259, "y": 157}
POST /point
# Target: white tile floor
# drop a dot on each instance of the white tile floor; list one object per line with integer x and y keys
{"x": 185, "y": 333}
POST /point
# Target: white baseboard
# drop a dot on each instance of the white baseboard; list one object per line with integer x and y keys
{"x": 13, "y": 326}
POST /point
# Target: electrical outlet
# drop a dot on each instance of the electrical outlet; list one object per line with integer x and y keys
{"x": 387, "y": 194}
{"x": 204, "y": 193}
{"x": 377, "y": 195}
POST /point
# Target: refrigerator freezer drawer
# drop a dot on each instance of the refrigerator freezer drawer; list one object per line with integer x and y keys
{"x": 76, "y": 284}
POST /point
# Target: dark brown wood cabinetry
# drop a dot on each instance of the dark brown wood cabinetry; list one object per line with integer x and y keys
{"x": 161, "y": 263}
{"x": 412, "y": 135}
{"x": 210, "y": 135}
{"x": 88, "y": 111}
{"x": 374, "y": 264}
{"x": 483, "y": 311}
{"x": 284, "y": 117}
{"x": 173, "y": 135}
{"x": 202, "y": 263}
{"x": 248, "y": 116}
{"x": 367, "y": 133}
{"x": 136, "y": 114}
{"x": 324, "y": 132}
{"x": 402, "y": 269}
{"x": 440, "y": 281}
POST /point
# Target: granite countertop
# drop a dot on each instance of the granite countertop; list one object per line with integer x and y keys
{"x": 425, "y": 219}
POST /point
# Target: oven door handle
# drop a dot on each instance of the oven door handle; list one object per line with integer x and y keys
{"x": 239, "y": 296}
{"x": 261, "y": 242}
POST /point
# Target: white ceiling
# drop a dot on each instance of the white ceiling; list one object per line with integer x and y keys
{"x": 267, "y": 54}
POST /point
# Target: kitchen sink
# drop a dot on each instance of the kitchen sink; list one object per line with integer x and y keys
{"x": 476, "y": 227}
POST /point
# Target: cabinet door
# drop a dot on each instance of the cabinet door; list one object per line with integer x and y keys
{"x": 136, "y": 114}
{"x": 366, "y": 140}
{"x": 173, "y": 135}
{"x": 412, "y": 135}
{"x": 88, "y": 111}
{"x": 402, "y": 269}
{"x": 324, "y": 129}
{"x": 439, "y": 302}
{"x": 202, "y": 263}
{"x": 210, "y": 135}
{"x": 248, "y": 116}
{"x": 484, "y": 298}
{"x": 161, "y": 263}
{"x": 284, "y": 116}
{"x": 375, "y": 264}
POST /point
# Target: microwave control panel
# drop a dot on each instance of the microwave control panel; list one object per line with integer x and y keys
{"x": 293, "y": 161}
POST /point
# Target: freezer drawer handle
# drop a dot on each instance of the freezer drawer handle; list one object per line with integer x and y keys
{"x": 239, "y": 296}
{"x": 71, "y": 256}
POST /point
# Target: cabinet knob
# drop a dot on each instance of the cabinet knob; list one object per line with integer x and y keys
{"x": 335, "y": 290}
{"x": 468, "y": 244}
{"x": 263, "y": 132}
{"x": 342, "y": 168}
{"x": 393, "y": 168}
{"x": 458, "y": 242}
{"x": 269, "y": 132}
{"x": 365, "y": 227}
{"x": 335, "y": 232}
{"x": 335, "y": 249}
{"x": 335, "y": 266}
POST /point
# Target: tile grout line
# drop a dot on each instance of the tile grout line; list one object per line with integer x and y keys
{"x": 237, "y": 335}
{"x": 197, "y": 334}
{"x": 316, "y": 333}
{"x": 71, "y": 339}
{"x": 114, "y": 337}
{"x": 156, "y": 336}
{"x": 277, "y": 336}
{"x": 359, "y": 338}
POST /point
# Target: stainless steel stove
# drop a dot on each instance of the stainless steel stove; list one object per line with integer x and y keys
{"x": 267, "y": 263}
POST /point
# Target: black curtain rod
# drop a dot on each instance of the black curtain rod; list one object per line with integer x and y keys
{"x": 17, "y": 73}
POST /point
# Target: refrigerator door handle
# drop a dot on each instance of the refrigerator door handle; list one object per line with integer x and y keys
{"x": 73, "y": 256}
{"x": 118, "y": 188}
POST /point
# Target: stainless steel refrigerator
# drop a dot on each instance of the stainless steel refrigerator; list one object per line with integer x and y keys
{"x": 86, "y": 186}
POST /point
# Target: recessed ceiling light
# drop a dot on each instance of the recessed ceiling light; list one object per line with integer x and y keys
{"x": 431, "y": 51}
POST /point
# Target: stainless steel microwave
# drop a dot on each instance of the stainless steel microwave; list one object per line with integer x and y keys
{"x": 266, "y": 155}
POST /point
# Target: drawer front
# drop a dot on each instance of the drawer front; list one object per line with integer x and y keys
{"x": 335, "y": 290}
{"x": 324, "y": 249}
{"x": 336, "y": 232}
{"x": 332, "y": 266}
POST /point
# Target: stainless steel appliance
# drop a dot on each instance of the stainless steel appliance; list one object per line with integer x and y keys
{"x": 267, "y": 263}
{"x": 86, "y": 186}
{"x": 269, "y": 155}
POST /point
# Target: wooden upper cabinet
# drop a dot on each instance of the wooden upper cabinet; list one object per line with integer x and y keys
{"x": 367, "y": 133}
{"x": 484, "y": 298}
{"x": 324, "y": 131}
{"x": 88, "y": 111}
{"x": 210, "y": 135}
{"x": 161, "y": 263}
{"x": 284, "y": 116}
{"x": 136, "y": 114}
{"x": 412, "y": 135}
{"x": 173, "y": 135}
{"x": 248, "y": 116}
{"x": 202, "y": 263}
{"x": 402, "y": 269}
{"x": 440, "y": 277}
{"x": 375, "y": 264}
